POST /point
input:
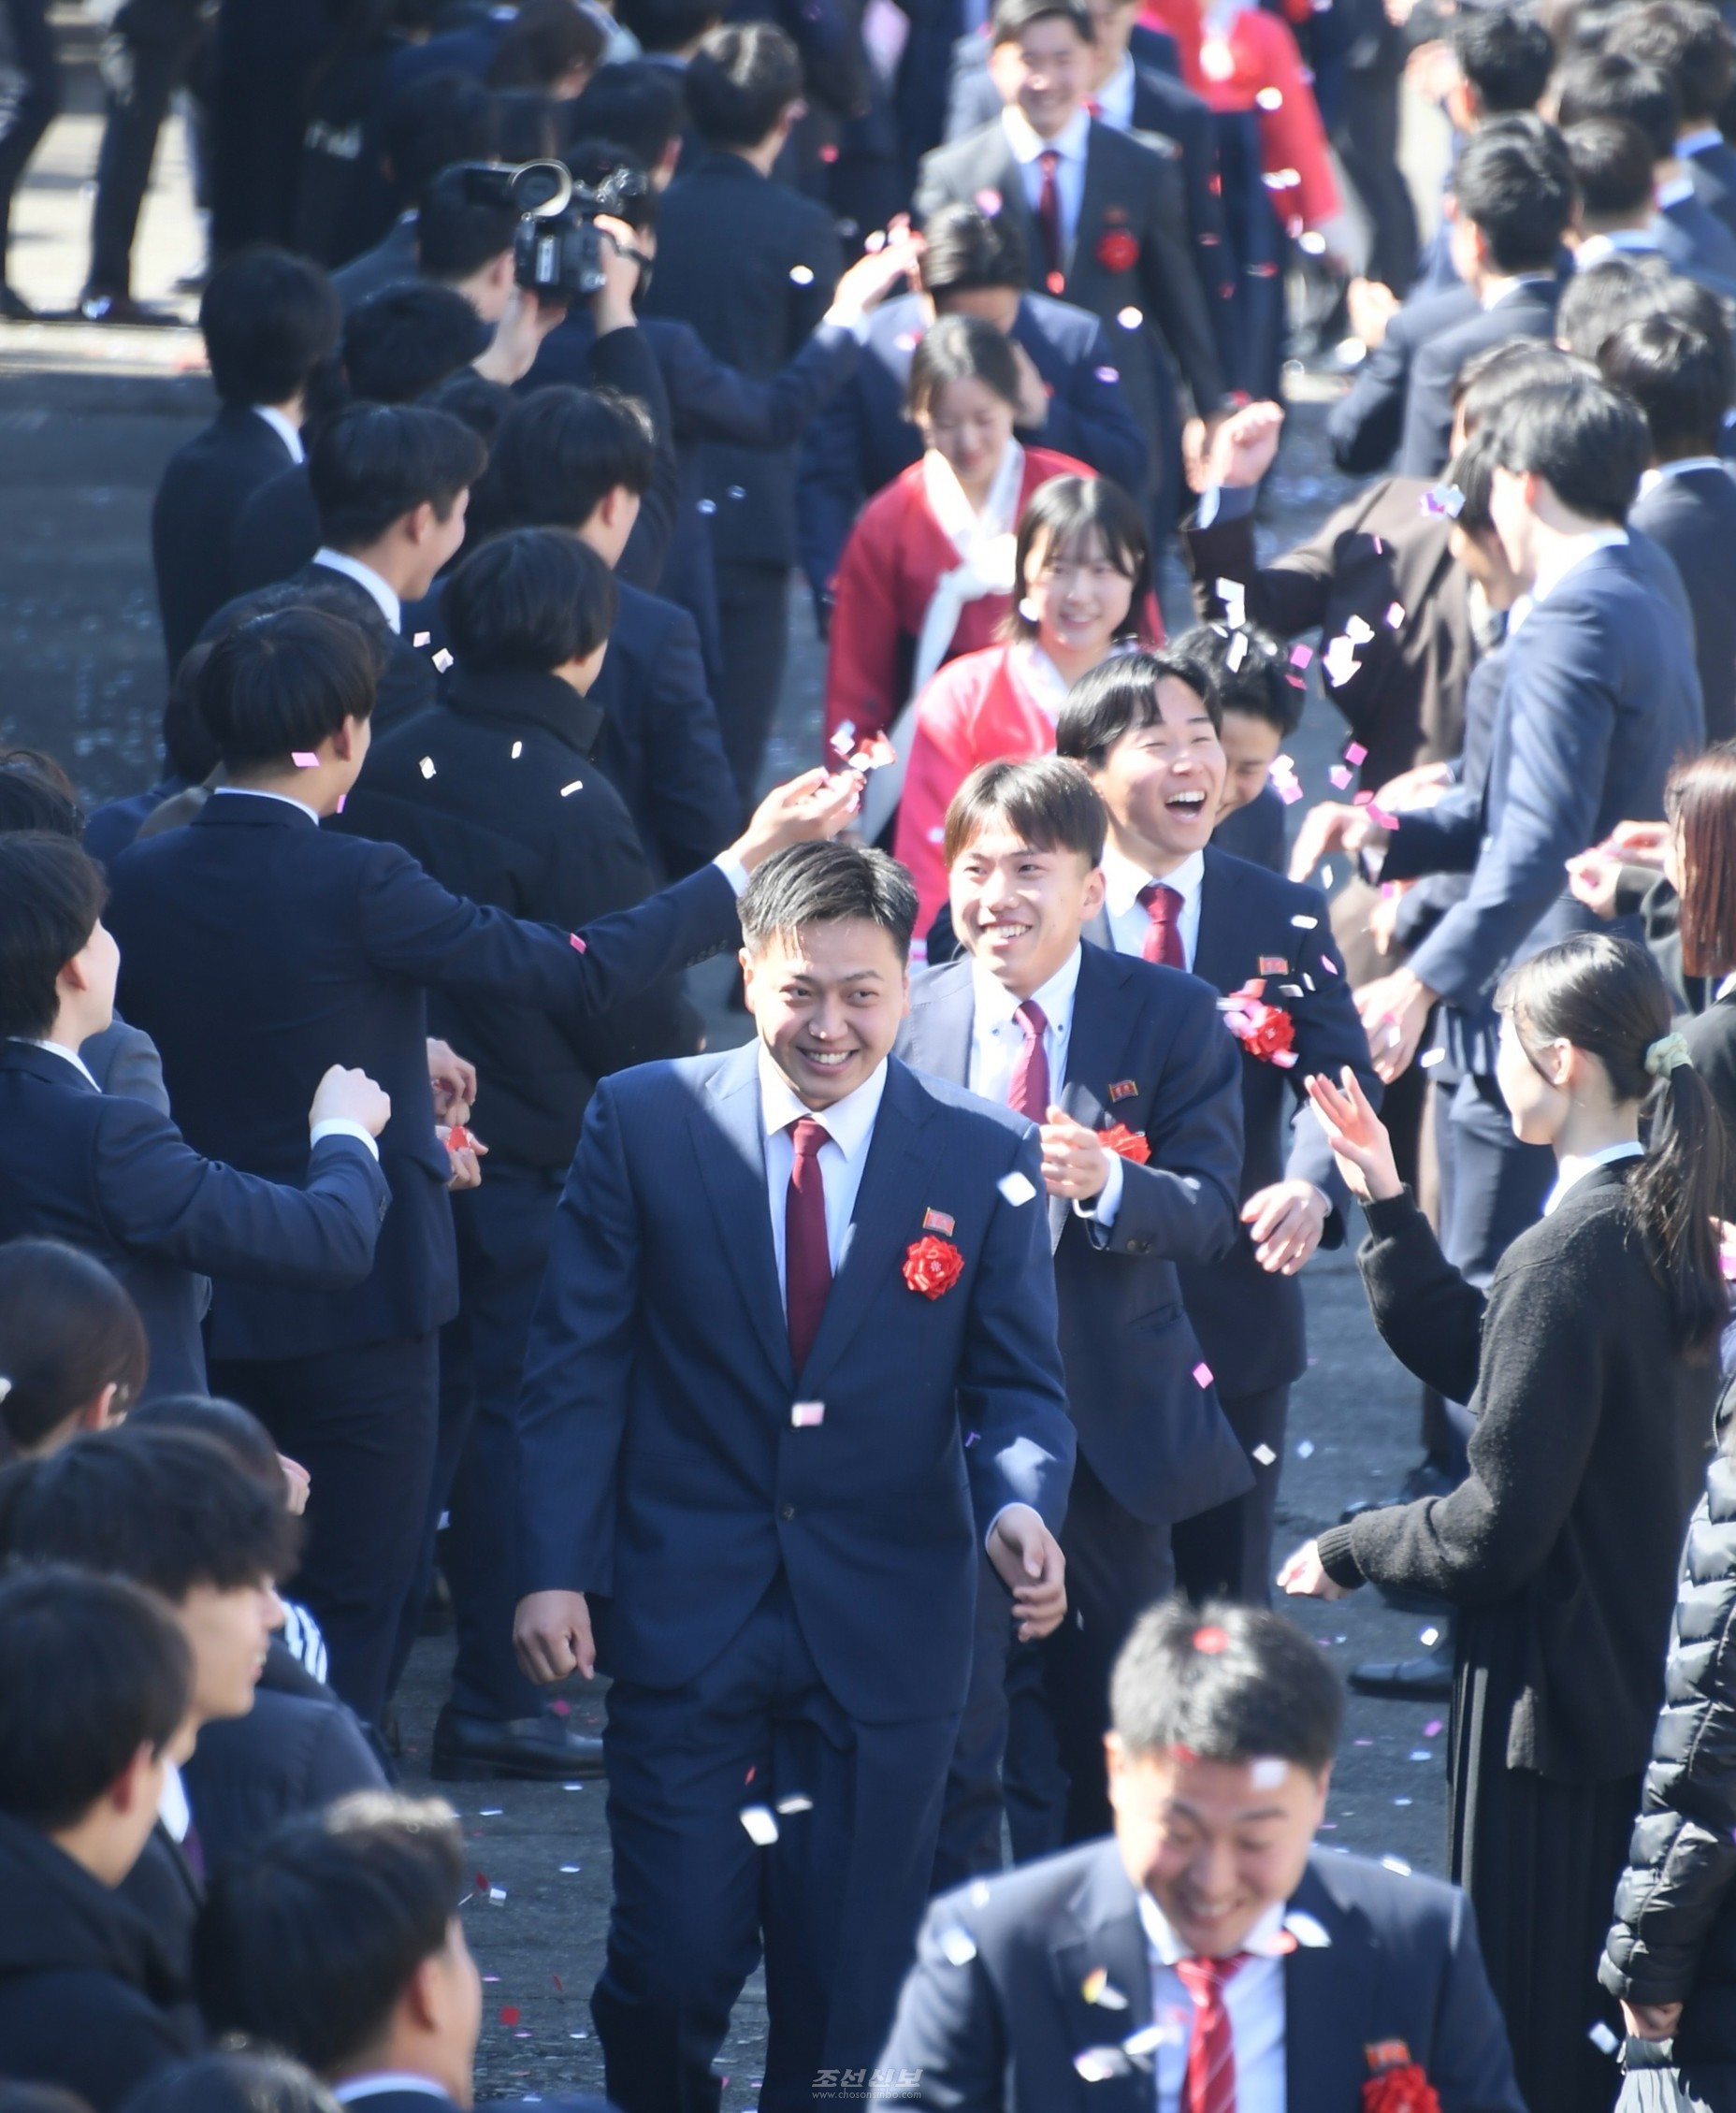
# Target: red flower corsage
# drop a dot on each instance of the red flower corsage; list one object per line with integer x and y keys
{"x": 933, "y": 1267}
{"x": 1131, "y": 1144}
{"x": 1398, "y": 2084}
{"x": 1118, "y": 251}
{"x": 1266, "y": 1032}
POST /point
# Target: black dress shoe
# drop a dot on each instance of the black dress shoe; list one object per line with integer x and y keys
{"x": 95, "y": 307}
{"x": 14, "y": 308}
{"x": 536, "y": 1749}
{"x": 1423, "y": 1679}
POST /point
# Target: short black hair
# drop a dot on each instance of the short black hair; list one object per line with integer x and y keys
{"x": 268, "y": 319}
{"x": 1050, "y": 803}
{"x": 1610, "y": 85}
{"x": 1504, "y": 55}
{"x": 1062, "y": 512}
{"x": 828, "y": 884}
{"x": 67, "y": 1330}
{"x": 666, "y": 25}
{"x": 960, "y": 348}
{"x": 169, "y": 1508}
{"x": 91, "y": 1669}
{"x": 36, "y": 793}
{"x": 965, "y": 249}
{"x": 1253, "y": 676}
{"x": 400, "y": 341}
{"x": 186, "y": 740}
{"x": 239, "y": 2082}
{"x": 560, "y": 451}
{"x": 544, "y": 42}
{"x": 1471, "y": 473}
{"x": 636, "y": 103}
{"x": 740, "y": 81}
{"x": 282, "y": 683}
{"x": 432, "y": 122}
{"x": 1514, "y": 183}
{"x": 52, "y": 897}
{"x": 1612, "y": 160}
{"x": 376, "y": 462}
{"x": 1595, "y": 303}
{"x": 456, "y": 232}
{"x": 1689, "y": 42}
{"x": 531, "y": 598}
{"x": 1227, "y": 1684}
{"x": 472, "y": 400}
{"x": 227, "y": 1423}
{"x": 309, "y": 1937}
{"x": 1681, "y": 377}
{"x": 1120, "y": 694}
{"x": 1590, "y": 444}
{"x": 1012, "y": 18}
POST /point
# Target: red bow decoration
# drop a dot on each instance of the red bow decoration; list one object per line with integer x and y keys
{"x": 1398, "y": 2085}
{"x": 933, "y": 1267}
{"x": 1266, "y": 1032}
{"x": 1118, "y": 251}
{"x": 1130, "y": 1144}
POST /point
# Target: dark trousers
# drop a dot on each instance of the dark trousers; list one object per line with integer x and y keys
{"x": 833, "y": 1904}
{"x": 1032, "y": 1733}
{"x": 37, "y": 104}
{"x": 1368, "y": 144}
{"x": 362, "y": 1421}
{"x": 151, "y": 59}
{"x": 1226, "y": 1552}
{"x": 753, "y": 624}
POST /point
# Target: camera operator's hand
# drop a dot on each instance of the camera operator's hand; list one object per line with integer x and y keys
{"x": 890, "y": 268}
{"x": 624, "y": 254}
{"x": 517, "y": 337}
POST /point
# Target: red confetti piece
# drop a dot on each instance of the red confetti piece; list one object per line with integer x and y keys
{"x": 482, "y": 1881}
{"x": 560, "y": 1987}
{"x": 508, "y": 2014}
{"x": 559, "y": 1707}
{"x": 459, "y": 1138}
{"x": 1211, "y": 1639}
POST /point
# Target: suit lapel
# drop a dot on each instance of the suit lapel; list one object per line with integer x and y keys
{"x": 1001, "y": 174}
{"x": 733, "y": 1179}
{"x": 1223, "y": 942}
{"x": 1091, "y": 204}
{"x": 1101, "y": 1959}
{"x": 1096, "y": 1055}
{"x": 1329, "y": 2003}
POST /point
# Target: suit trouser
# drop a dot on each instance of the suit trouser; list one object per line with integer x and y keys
{"x": 833, "y": 1904}
{"x": 753, "y": 624}
{"x": 362, "y": 1421}
{"x": 39, "y": 100}
{"x": 1032, "y": 1733}
{"x": 132, "y": 117}
{"x": 1366, "y": 141}
{"x": 1226, "y": 1552}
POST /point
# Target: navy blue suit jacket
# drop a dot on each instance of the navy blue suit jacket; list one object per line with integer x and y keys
{"x": 659, "y": 1462}
{"x": 203, "y": 488}
{"x": 1379, "y": 1955}
{"x": 1526, "y": 311}
{"x": 106, "y": 1172}
{"x": 113, "y": 825}
{"x": 1365, "y": 427}
{"x": 1250, "y": 1321}
{"x": 862, "y": 439}
{"x": 257, "y": 949}
{"x": 1155, "y": 1437}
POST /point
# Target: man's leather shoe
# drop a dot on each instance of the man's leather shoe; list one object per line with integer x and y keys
{"x": 1425, "y": 1679}
{"x": 534, "y": 1749}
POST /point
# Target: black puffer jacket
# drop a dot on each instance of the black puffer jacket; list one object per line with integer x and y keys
{"x": 1674, "y": 1936}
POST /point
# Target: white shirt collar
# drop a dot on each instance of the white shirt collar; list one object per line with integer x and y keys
{"x": 1264, "y": 1940}
{"x": 1123, "y": 879}
{"x": 1070, "y": 142}
{"x": 364, "y": 575}
{"x": 254, "y": 792}
{"x": 1575, "y": 1170}
{"x": 1675, "y": 192}
{"x": 996, "y": 1005}
{"x": 173, "y": 1807}
{"x": 1494, "y": 295}
{"x": 1701, "y": 142}
{"x": 1114, "y": 98}
{"x": 59, "y": 1050}
{"x": 285, "y": 429}
{"x": 1573, "y": 552}
{"x": 353, "y": 2088}
{"x": 848, "y": 1122}
{"x": 1595, "y": 248}
{"x": 1681, "y": 468}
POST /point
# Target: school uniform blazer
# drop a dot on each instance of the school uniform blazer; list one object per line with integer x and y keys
{"x": 203, "y": 488}
{"x": 1151, "y": 1428}
{"x": 1527, "y": 311}
{"x": 1693, "y": 517}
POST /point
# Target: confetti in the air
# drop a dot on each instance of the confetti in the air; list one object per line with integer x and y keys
{"x": 442, "y": 660}
{"x": 1264, "y": 1454}
{"x": 427, "y": 766}
{"x": 1017, "y": 1188}
{"x": 958, "y": 1946}
{"x": 576, "y": 784}
{"x": 761, "y": 1827}
{"x": 1202, "y": 1373}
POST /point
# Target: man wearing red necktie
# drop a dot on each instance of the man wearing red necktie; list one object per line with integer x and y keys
{"x": 1207, "y": 1958}
{"x": 793, "y": 1373}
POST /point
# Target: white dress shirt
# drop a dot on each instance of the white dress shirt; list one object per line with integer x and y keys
{"x": 1253, "y": 1996}
{"x": 1573, "y": 552}
{"x": 59, "y": 1050}
{"x": 380, "y": 2081}
{"x": 998, "y": 1041}
{"x": 1701, "y": 142}
{"x": 1675, "y": 192}
{"x": 1114, "y": 98}
{"x": 1498, "y": 291}
{"x": 173, "y": 1809}
{"x": 384, "y": 594}
{"x": 1681, "y": 466}
{"x": 1070, "y": 143}
{"x": 285, "y": 429}
{"x": 848, "y": 1126}
{"x": 257, "y": 792}
{"x": 1128, "y": 916}
{"x": 1574, "y": 1169}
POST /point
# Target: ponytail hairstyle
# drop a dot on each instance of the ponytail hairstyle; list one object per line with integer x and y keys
{"x": 1699, "y": 799}
{"x": 1606, "y": 997}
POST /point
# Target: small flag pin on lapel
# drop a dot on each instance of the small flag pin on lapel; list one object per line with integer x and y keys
{"x": 937, "y": 1221}
{"x": 1124, "y": 1089}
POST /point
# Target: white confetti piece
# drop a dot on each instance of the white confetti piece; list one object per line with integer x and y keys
{"x": 1429, "y": 1636}
{"x": 576, "y": 784}
{"x": 573, "y": 1786}
{"x": 1305, "y": 924}
{"x": 1310, "y": 1934}
{"x": 1017, "y": 1188}
{"x": 492, "y": 1811}
{"x": 1341, "y": 774}
{"x": 1422, "y": 1753}
{"x": 795, "y": 1803}
{"x": 979, "y": 1892}
{"x": 1429, "y": 1058}
{"x": 761, "y": 1827}
{"x": 800, "y": 275}
{"x": 427, "y": 766}
{"x": 1305, "y": 1451}
{"x": 1099, "y": 2064}
{"x": 422, "y": 638}
{"x": 1234, "y": 597}
{"x": 1237, "y": 653}
{"x": 568, "y": 1870}
{"x": 807, "y": 1415}
{"x": 497, "y": 1895}
{"x": 958, "y": 1946}
{"x": 1267, "y": 1774}
{"x": 442, "y": 660}
{"x": 1602, "y": 2038}
{"x": 1326, "y": 878}
{"x": 1397, "y": 1863}
{"x": 1130, "y": 318}
{"x": 1358, "y": 632}
{"x": 1339, "y": 661}
{"x": 1270, "y": 99}
{"x": 518, "y": 749}
{"x": 1264, "y": 1454}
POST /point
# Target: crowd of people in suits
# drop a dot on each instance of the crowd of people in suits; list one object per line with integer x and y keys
{"x": 893, "y": 1406}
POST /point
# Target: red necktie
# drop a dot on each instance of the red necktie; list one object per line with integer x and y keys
{"x": 1163, "y": 937}
{"x": 1209, "y": 2086}
{"x": 807, "y": 1258}
{"x": 1048, "y": 209}
{"x": 1028, "y": 1094}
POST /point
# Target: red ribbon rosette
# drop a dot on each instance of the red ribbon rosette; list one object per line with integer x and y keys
{"x": 1130, "y": 1144}
{"x": 1401, "y": 2089}
{"x": 1266, "y": 1032}
{"x": 933, "y": 1267}
{"x": 1118, "y": 251}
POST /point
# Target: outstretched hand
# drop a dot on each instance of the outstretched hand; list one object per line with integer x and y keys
{"x": 1358, "y": 1136}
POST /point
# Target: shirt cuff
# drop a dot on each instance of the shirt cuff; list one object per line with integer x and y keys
{"x": 1000, "y": 1516}
{"x": 1104, "y": 1206}
{"x": 340, "y": 1126}
{"x": 733, "y": 871}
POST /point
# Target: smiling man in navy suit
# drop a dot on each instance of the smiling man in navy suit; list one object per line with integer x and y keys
{"x": 793, "y": 1369}
{"x": 1207, "y": 1956}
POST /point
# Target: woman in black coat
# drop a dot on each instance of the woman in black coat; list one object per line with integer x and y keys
{"x": 1592, "y": 1427}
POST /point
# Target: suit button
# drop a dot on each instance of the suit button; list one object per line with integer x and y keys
{"x": 786, "y": 1511}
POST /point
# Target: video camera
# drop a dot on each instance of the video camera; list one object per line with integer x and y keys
{"x": 558, "y": 249}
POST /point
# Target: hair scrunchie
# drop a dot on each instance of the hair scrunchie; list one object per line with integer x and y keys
{"x": 1664, "y": 1054}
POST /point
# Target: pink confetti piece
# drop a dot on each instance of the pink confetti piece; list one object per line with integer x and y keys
{"x": 1283, "y": 1059}
{"x": 1380, "y": 817}
{"x": 807, "y": 1415}
{"x": 341, "y": 797}
{"x": 1331, "y": 966}
{"x": 1341, "y": 775}
{"x": 1356, "y": 754}
{"x": 1290, "y": 793}
{"x": 1300, "y": 656}
{"x": 1202, "y": 1373}
{"x": 578, "y": 944}
{"x": 1432, "y": 1728}
{"x": 304, "y": 759}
